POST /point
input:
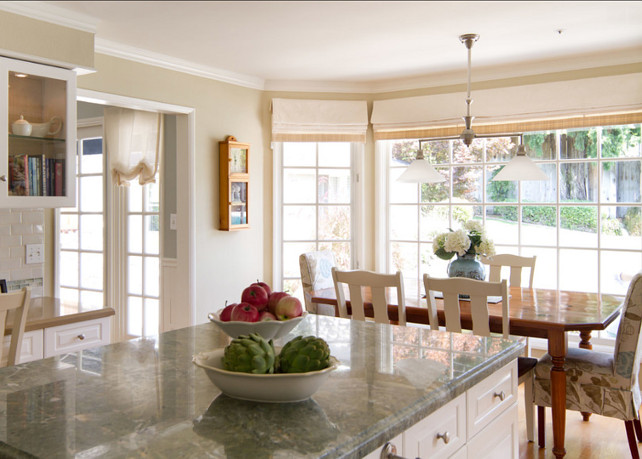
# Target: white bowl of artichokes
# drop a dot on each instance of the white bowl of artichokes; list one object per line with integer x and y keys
{"x": 251, "y": 368}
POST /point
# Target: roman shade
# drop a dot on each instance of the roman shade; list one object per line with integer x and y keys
{"x": 302, "y": 120}
{"x": 133, "y": 142}
{"x": 587, "y": 102}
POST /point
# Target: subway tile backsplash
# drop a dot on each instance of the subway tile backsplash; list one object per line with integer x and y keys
{"x": 19, "y": 227}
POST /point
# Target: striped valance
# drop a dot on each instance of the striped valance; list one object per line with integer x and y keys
{"x": 588, "y": 102}
{"x": 303, "y": 120}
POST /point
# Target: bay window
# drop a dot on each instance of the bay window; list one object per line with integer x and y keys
{"x": 583, "y": 223}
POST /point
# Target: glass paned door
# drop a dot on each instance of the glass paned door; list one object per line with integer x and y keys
{"x": 316, "y": 206}
{"x": 143, "y": 259}
{"x": 81, "y": 233}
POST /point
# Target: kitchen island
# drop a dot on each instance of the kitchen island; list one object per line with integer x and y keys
{"x": 145, "y": 397}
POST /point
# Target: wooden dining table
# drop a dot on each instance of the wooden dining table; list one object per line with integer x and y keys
{"x": 537, "y": 313}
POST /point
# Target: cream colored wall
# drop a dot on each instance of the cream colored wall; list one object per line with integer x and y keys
{"x": 225, "y": 262}
{"x": 44, "y": 42}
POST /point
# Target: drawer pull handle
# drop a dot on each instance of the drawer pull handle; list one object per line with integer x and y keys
{"x": 81, "y": 336}
{"x": 501, "y": 395}
{"x": 3, "y": 178}
{"x": 444, "y": 436}
{"x": 389, "y": 451}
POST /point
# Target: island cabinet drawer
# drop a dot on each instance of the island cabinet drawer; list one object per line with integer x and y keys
{"x": 498, "y": 439}
{"x": 77, "y": 336}
{"x": 490, "y": 398}
{"x": 440, "y": 435}
{"x": 31, "y": 347}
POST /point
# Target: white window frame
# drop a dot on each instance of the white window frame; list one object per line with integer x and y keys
{"x": 356, "y": 211}
{"x": 382, "y": 227}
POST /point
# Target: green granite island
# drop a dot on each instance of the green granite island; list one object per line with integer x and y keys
{"x": 145, "y": 398}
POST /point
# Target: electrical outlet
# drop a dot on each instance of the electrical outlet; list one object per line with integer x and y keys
{"x": 35, "y": 253}
{"x": 172, "y": 221}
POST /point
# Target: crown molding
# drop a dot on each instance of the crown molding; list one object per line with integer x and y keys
{"x": 161, "y": 60}
{"x": 45, "y": 11}
{"x": 573, "y": 63}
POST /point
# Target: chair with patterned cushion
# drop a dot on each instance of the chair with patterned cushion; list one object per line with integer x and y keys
{"x": 477, "y": 293}
{"x": 379, "y": 286}
{"x": 599, "y": 382}
{"x": 316, "y": 274}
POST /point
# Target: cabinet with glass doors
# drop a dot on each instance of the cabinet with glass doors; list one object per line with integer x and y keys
{"x": 234, "y": 178}
{"x": 37, "y": 135}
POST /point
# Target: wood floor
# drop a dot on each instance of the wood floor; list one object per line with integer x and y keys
{"x": 601, "y": 437}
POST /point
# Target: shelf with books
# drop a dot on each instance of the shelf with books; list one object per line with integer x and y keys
{"x": 38, "y": 125}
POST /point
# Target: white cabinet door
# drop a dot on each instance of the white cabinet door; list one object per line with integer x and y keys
{"x": 439, "y": 435}
{"x": 490, "y": 397}
{"x": 498, "y": 439}
{"x": 37, "y": 135}
{"x": 77, "y": 336}
{"x": 31, "y": 347}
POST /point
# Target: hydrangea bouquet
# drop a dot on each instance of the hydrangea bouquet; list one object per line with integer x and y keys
{"x": 470, "y": 240}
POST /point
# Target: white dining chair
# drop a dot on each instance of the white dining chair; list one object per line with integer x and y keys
{"x": 357, "y": 281}
{"x": 18, "y": 302}
{"x": 477, "y": 293}
{"x": 516, "y": 264}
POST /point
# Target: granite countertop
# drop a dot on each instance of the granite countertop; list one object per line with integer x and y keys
{"x": 145, "y": 397}
{"x": 47, "y": 312}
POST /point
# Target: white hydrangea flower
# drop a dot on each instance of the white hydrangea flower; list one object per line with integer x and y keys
{"x": 474, "y": 226}
{"x": 457, "y": 241}
{"x": 438, "y": 241}
{"x": 486, "y": 247}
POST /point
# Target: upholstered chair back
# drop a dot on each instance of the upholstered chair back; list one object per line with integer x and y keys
{"x": 316, "y": 274}
{"x": 626, "y": 360}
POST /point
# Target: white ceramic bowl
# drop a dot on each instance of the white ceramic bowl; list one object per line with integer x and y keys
{"x": 275, "y": 388}
{"x": 269, "y": 329}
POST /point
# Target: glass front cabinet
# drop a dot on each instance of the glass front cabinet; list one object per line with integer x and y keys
{"x": 234, "y": 178}
{"x": 38, "y": 135}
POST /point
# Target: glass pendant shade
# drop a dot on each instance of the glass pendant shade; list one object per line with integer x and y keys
{"x": 421, "y": 171}
{"x": 521, "y": 167}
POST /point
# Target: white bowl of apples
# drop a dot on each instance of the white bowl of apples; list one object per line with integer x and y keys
{"x": 270, "y": 314}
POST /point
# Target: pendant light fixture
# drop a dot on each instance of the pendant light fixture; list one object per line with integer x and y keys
{"x": 421, "y": 171}
{"x": 521, "y": 167}
{"x": 468, "y": 134}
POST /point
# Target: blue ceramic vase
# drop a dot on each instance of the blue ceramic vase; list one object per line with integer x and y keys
{"x": 467, "y": 266}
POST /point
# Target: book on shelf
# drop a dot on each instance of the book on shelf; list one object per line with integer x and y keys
{"x": 18, "y": 176}
{"x": 36, "y": 175}
{"x": 59, "y": 165}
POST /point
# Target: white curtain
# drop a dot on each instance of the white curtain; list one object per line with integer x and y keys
{"x": 133, "y": 142}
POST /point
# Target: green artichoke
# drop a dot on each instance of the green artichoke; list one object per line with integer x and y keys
{"x": 301, "y": 355}
{"x": 250, "y": 354}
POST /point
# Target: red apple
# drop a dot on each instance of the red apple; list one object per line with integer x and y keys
{"x": 256, "y": 296}
{"x": 226, "y": 312}
{"x": 245, "y": 312}
{"x": 266, "y": 315}
{"x": 288, "y": 308}
{"x": 274, "y": 299}
{"x": 265, "y": 286}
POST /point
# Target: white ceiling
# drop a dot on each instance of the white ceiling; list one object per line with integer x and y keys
{"x": 358, "y": 46}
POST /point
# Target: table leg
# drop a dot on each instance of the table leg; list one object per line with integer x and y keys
{"x": 557, "y": 351}
{"x": 585, "y": 343}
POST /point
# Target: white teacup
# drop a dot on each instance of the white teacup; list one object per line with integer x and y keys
{"x": 51, "y": 127}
